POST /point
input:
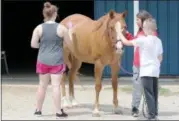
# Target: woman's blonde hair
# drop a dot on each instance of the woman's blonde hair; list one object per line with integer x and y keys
{"x": 49, "y": 10}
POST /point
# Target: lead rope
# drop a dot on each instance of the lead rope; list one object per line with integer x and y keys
{"x": 144, "y": 100}
{"x": 143, "y": 106}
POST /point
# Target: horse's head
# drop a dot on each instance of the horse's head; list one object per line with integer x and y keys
{"x": 114, "y": 19}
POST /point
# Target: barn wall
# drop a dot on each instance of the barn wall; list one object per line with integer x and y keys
{"x": 167, "y": 15}
{"x": 103, "y": 6}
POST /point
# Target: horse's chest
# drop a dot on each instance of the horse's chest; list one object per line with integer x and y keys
{"x": 106, "y": 59}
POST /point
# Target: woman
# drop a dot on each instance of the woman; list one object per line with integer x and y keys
{"x": 137, "y": 88}
{"x": 151, "y": 51}
{"x": 50, "y": 62}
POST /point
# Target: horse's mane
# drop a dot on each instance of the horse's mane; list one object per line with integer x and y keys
{"x": 100, "y": 22}
{"x": 103, "y": 21}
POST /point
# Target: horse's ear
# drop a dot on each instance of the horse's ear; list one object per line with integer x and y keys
{"x": 124, "y": 14}
{"x": 111, "y": 14}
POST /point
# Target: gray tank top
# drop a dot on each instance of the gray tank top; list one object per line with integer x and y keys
{"x": 51, "y": 45}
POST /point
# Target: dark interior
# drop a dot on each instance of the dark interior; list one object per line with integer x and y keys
{"x": 19, "y": 20}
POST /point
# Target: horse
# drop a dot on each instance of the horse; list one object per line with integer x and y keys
{"x": 93, "y": 41}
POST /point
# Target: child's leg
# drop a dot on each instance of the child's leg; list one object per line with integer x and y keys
{"x": 43, "y": 83}
{"x": 155, "y": 86}
{"x": 149, "y": 95}
{"x": 137, "y": 89}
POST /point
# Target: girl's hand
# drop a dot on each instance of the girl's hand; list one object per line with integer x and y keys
{"x": 119, "y": 45}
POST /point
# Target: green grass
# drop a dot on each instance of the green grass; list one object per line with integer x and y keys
{"x": 127, "y": 89}
{"x": 162, "y": 91}
{"x": 165, "y": 91}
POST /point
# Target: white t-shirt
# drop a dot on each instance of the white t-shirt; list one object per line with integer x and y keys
{"x": 150, "y": 47}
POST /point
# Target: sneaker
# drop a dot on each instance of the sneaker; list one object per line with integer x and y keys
{"x": 38, "y": 113}
{"x": 156, "y": 118}
{"x": 63, "y": 114}
{"x": 135, "y": 112}
{"x": 152, "y": 118}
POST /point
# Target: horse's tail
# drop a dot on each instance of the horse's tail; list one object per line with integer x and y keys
{"x": 75, "y": 42}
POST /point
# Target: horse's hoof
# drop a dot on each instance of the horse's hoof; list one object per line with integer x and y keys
{"x": 74, "y": 102}
{"x": 66, "y": 103}
{"x": 117, "y": 111}
{"x": 96, "y": 113}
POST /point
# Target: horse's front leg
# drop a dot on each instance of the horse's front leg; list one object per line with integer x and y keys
{"x": 98, "y": 85}
{"x": 115, "y": 69}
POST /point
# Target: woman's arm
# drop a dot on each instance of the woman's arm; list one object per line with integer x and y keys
{"x": 65, "y": 33}
{"x": 36, "y": 36}
{"x": 62, "y": 31}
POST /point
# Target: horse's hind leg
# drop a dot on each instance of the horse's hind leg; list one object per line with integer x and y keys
{"x": 77, "y": 79}
{"x": 115, "y": 69}
{"x": 76, "y": 64}
{"x": 65, "y": 102}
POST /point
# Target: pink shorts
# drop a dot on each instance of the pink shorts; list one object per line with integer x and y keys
{"x": 44, "y": 69}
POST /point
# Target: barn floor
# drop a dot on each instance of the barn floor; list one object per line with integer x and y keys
{"x": 18, "y": 99}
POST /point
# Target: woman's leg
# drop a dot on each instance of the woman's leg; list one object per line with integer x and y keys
{"x": 43, "y": 84}
{"x": 137, "y": 92}
{"x": 56, "y": 81}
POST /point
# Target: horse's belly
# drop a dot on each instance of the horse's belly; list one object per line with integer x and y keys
{"x": 85, "y": 58}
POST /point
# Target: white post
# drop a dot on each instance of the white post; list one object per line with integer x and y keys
{"x": 136, "y": 10}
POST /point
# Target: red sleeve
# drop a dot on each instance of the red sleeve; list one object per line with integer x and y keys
{"x": 129, "y": 36}
{"x": 156, "y": 34}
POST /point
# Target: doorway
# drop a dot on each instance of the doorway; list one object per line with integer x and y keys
{"x": 19, "y": 20}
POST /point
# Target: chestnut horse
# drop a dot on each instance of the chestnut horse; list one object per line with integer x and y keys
{"x": 93, "y": 42}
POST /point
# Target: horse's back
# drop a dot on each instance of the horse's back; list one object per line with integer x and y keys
{"x": 74, "y": 19}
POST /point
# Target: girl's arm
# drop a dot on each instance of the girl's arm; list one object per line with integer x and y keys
{"x": 160, "y": 53}
{"x": 160, "y": 57}
{"x": 125, "y": 41}
{"x": 134, "y": 42}
{"x": 36, "y": 36}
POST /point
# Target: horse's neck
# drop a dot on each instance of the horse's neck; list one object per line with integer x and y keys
{"x": 103, "y": 29}
{"x": 103, "y": 21}
{"x": 103, "y": 18}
